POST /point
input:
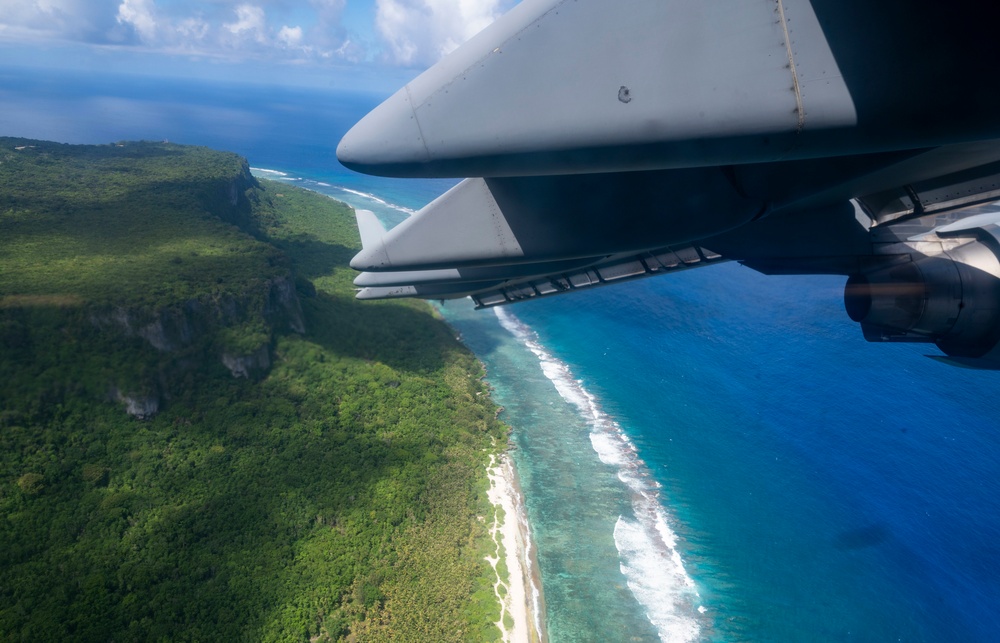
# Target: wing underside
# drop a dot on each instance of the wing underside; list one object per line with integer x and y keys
{"x": 613, "y": 141}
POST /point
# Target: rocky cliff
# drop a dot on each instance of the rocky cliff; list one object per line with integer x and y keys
{"x": 159, "y": 244}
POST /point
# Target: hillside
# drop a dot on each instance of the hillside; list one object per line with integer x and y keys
{"x": 203, "y": 436}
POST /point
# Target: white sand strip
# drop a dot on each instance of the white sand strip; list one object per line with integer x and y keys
{"x": 516, "y": 603}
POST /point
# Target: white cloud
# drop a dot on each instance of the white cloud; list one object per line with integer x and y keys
{"x": 156, "y": 29}
{"x": 406, "y": 32}
{"x": 250, "y": 22}
{"x": 290, "y": 36}
{"x": 67, "y": 20}
{"x": 192, "y": 29}
{"x": 139, "y": 15}
{"x": 349, "y": 51}
{"x": 419, "y": 32}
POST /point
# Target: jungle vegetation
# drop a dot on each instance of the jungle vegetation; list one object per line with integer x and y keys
{"x": 337, "y": 491}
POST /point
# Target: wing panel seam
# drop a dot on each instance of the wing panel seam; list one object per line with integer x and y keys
{"x": 800, "y": 111}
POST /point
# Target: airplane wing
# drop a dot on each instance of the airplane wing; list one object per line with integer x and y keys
{"x": 612, "y": 141}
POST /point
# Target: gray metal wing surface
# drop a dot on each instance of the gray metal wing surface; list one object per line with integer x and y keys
{"x": 611, "y": 141}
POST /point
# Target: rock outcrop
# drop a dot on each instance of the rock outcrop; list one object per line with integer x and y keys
{"x": 199, "y": 328}
{"x": 138, "y": 406}
{"x": 175, "y": 327}
{"x": 254, "y": 364}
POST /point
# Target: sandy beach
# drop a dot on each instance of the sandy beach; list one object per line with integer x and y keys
{"x": 520, "y": 592}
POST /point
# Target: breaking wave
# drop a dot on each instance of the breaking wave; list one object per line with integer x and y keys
{"x": 372, "y": 197}
{"x": 270, "y": 173}
{"x": 647, "y": 547}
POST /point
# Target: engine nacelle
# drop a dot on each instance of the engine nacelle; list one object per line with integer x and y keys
{"x": 951, "y": 298}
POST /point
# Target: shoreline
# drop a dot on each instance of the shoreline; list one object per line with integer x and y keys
{"x": 521, "y": 602}
{"x": 519, "y": 594}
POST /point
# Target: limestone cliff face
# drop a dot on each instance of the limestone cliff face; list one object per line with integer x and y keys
{"x": 172, "y": 265}
{"x": 232, "y": 200}
{"x": 248, "y": 365}
{"x": 283, "y": 303}
{"x": 199, "y": 322}
{"x": 138, "y": 406}
{"x": 198, "y": 329}
{"x": 175, "y": 327}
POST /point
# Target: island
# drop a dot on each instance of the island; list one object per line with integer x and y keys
{"x": 204, "y": 436}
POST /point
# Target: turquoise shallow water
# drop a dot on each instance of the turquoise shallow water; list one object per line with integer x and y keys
{"x": 815, "y": 487}
{"x": 827, "y": 489}
{"x": 591, "y": 506}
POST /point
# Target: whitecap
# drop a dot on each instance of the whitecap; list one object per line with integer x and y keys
{"x": 647, "y": 546}
{"x": 657, "y": 579}
{"x": 372, "y": 197}
{"x": 264, "y": 170}
{"x": 607, "y": 450}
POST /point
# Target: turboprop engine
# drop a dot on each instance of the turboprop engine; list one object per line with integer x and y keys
{"x": 946, "y": 290}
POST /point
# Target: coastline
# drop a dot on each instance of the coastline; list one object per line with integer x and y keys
{"x": 793, "y": 472}
{"x": 521, "y": 604}
{"x": 522, "y": 611}
{"x": 642, "y": 541}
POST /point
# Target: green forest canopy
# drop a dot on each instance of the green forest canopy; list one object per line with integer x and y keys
{"x": 338, "y": 495}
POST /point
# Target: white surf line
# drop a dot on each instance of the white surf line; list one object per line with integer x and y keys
{"x": 372, "y": 197}
{"x": 647, "y": 547}
{"x": 273, "y": 175}
{"x": 279, "y": 175}
{"x": 267, "y": 171}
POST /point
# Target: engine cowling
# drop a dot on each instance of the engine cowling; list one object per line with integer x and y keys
{"x": 950, "y": 298}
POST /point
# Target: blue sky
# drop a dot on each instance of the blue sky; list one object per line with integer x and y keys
{"x": 375, "y": 43}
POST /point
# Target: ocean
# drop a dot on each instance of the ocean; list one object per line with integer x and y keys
{"x": 712, "y": 455}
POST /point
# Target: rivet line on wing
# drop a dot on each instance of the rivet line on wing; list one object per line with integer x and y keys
{"x": 420, "y": 131}
{"x": 791, "y": 66}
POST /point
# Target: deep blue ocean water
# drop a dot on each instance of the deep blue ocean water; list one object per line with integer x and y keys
{"x": 714, "y": 439}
